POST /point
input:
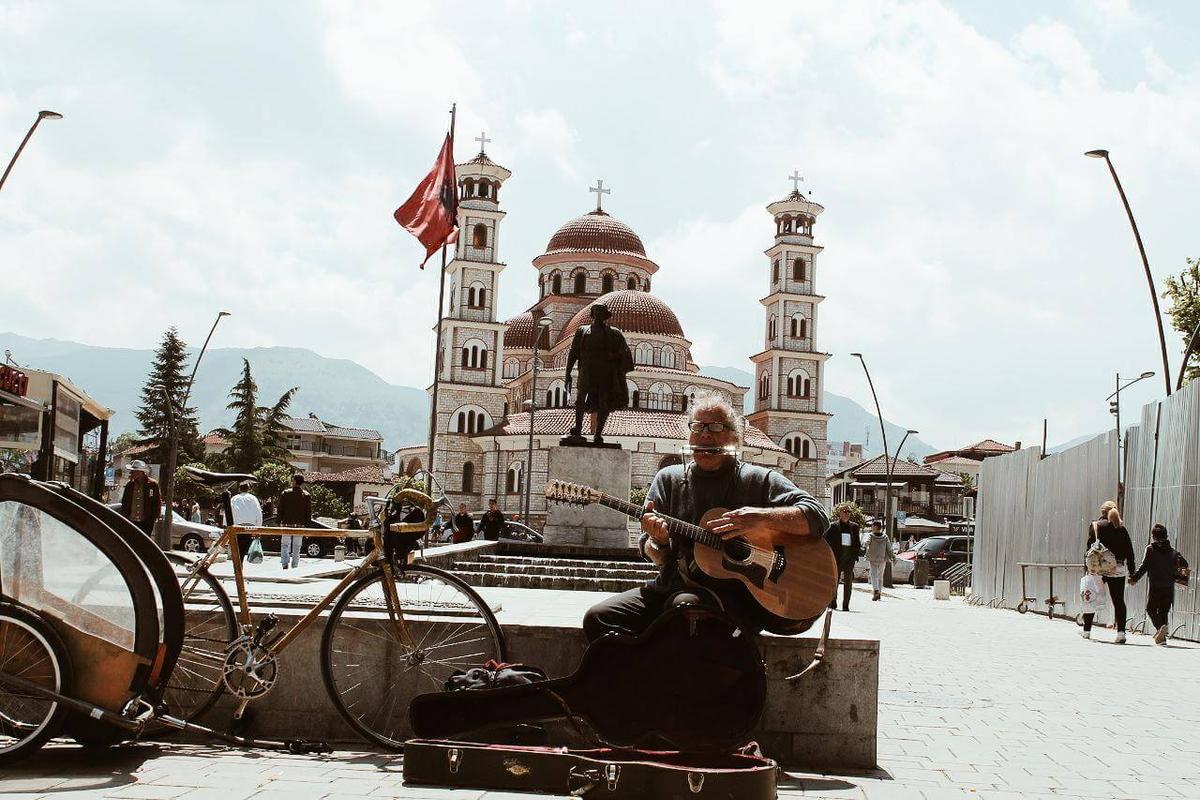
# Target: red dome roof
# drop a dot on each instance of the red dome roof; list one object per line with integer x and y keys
{"x": 632, "y": 312}
{"x": 596, "y": 232}
{"x": 519, "y": 333}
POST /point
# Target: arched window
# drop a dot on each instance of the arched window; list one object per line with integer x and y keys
{"x": 798, "y": 383}
{"x": 660, "y": 397}
{"x": 787, "y": 224}
{"x": 794, "y": 329}
{"x": 690, "y": 393}
{"x": 556, "y": 394}
{"x": 474, "y": 354}
{"x": 632, "y": 390}
{"x": 606, "y": 283}
{"x": 631, "y": 283}
{"x": 580, "y": 282}
{"x": 512, "y": 484}
{"x": 644, "y": 354}
{"x": 468, "y": 477}
{"x": 468, "y": 187}
{"x": 479, "y": 235}
{"x": 483, "y": 188}
{"x": 556, "y": 283}
{"x": 471, "y": 297}
{"x": 476, "y": 295}
{"x": 471, "y": 419}
{"x": 666, "y": 356}
{"x": 771, "y": 328}
{"x": 512, "y": 367}
{"x": 798, "y": 326}
{"x": 798, "y": 269}
{"x": 466, "y": 357}
{"x": 775, "y": 271}
{"x": 799, "y": 445}
{"x": 764, "y": 386}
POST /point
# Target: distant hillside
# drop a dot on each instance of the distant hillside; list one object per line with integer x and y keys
{"x": 850, "y": 422}
{"x": 334, "y": 389}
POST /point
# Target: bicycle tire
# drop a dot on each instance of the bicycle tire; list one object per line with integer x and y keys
{"x": 366, "y": 677}
{"x": 195, "y": 685}
{"x": 33, "y": 650}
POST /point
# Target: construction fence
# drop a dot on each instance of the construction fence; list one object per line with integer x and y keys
{"x": 1037, "y": 509}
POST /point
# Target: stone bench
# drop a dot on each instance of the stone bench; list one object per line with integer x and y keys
{"x": 827, "y": 720}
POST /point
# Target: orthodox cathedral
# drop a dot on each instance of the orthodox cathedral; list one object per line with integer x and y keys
{"x": 491, "y": 385}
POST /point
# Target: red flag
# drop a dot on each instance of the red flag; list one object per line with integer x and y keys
{"x": 431, "y": 214}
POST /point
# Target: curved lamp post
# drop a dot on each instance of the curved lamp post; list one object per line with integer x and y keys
{"x": 1116, "y": 411}
{"x": 168, "y": 476}
{"x": 887, "y": 505}
{"x": 1162, "y": 338}
{"x": 41, "y": 116}
{"x": 543, "y": 324}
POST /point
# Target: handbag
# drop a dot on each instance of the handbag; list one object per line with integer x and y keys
{"x": 1099, "y": 559}
{"x": 1183, "y": 573}
{"x": 254, "y": 553}
{"x": 1091, "y": 593}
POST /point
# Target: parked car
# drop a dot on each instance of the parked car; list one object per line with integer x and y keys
{"x": 313, "y": 546}
{"x": 902, "y": 570}
{"x": 191, "y": 537}
{"x": 941, "y": 552}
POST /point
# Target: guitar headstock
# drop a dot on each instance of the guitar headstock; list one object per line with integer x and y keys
{"x": 571, "y": 493}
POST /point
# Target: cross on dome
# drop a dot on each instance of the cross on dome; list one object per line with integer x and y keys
{"x": 600, "y": 192}
{"x": 483, "y": 139}
{"x": 795, "y": 179}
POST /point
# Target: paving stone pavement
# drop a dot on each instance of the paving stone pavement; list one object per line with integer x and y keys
{"x": 974, "y": 703}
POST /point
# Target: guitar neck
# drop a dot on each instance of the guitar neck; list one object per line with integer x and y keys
{"x": 675, "y": 526}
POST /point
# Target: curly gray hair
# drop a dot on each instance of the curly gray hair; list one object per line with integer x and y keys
{"x": 716, "y": 402}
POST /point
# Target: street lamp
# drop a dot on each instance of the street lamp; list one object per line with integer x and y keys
{"x": 887, "y": 505}
{"x": 41, "y": 116}
{"x": 1162, "y": 337}
{"x": 542, "y": 325}
{"x": 1114, "y": 408}
{"x": 168, "y": 478}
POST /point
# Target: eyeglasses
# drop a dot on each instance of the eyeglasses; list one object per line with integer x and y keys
{"x": 711, "y": 427}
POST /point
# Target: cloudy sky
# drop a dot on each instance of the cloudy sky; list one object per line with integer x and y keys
{"x": 247, "y": 157}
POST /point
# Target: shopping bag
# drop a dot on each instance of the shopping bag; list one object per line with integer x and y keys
{"x": 254, "y": 554}
{"x": 1091, "y": 593}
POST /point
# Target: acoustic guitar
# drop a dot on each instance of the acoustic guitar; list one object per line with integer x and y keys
{"x": 691, "y": 679}
{"x": 789, "y": 579}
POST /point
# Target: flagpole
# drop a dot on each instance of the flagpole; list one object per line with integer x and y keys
{"x": 437, "y": 347}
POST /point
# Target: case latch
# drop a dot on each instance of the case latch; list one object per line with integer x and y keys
{"x": 455, "y": 756}
{"x": 613, "y": 773}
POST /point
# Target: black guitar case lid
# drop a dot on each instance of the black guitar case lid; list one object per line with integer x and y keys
{"x": 609, "y": 773}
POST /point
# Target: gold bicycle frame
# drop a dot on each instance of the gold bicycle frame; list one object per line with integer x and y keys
{"x": 395, "y": 612}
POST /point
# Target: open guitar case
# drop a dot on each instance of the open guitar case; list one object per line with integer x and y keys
{"x": 671, "y": 712}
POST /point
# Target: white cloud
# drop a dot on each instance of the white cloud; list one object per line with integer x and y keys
{"x": 547, "y": 134}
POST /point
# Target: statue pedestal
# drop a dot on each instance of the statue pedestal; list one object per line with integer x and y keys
{"x": 594, "y": 525}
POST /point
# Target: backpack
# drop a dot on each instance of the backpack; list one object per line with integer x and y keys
{"x": 1099, "y": 559}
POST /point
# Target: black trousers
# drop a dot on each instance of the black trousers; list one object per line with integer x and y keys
{"x": 1158, "y": 603}
{"x": 633, "y": 610}
{"x": 243, "y": 540}
{"x": 846, "y": 576}
{"x": 1116, "y": 592}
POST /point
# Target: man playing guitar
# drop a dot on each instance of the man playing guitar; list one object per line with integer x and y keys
{"x": 759, "y": 498}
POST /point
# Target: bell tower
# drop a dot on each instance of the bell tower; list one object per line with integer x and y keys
{"x": 789, "y": 370}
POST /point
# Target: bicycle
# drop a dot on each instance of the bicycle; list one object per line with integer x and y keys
{"x": 393, "y": 630}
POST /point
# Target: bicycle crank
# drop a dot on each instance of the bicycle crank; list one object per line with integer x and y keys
{"x": 249, "y": 670}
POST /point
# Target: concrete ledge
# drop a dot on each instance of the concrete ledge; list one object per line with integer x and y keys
{"x": 827, "y": 720}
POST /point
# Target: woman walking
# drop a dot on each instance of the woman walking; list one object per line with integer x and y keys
{"x": 879, "y": 553}
{"x": 1109, "y": 555}
{"x": 1162, "y": 564}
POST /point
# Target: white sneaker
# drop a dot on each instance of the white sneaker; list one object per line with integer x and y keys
{"x": 1085, "y": 634}
{"x": 1120, "y": 639}
{"x": 1160, "y": 636}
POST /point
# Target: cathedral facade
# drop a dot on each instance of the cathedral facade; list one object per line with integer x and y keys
{"x": 488, "y": 380}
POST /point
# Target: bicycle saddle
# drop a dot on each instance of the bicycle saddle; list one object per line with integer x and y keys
{"x": 214, "y": 478}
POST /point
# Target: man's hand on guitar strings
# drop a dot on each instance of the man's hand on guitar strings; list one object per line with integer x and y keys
{"x": 738, "y": 521}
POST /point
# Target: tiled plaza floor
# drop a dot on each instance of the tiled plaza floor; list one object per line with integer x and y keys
{"x": 974, "y": 703}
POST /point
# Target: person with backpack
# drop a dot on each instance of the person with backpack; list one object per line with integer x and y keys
{"x": 1109, "y": 554}
{"x": 1164, "y": 565}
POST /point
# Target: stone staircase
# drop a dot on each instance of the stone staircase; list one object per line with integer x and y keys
{"x": 553, "y": 572}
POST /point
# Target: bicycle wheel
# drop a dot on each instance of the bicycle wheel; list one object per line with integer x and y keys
{"x": 29, "y": 649}
{"x": 372, "y": 667}
{"x": 209, "y": 627}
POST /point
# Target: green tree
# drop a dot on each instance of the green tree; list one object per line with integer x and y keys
{"x": 327, "y": 504}
{"x": 274, "y": 432}
{"x": 273, "y": 478}
{"x": 968, "y": 481}
{"x": 122, "y": 443}
{"x": 257, "y": 432}
{"x": 856, "y": 513}
{"x": 1183, "y": 290}
{"x": 637, "y": 495}
{"x": 154, "y": 429}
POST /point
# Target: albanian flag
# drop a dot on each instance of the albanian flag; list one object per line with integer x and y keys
{"x": 431, "y": 214}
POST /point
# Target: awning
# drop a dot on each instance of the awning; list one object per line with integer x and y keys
{"x": 7, "y": 397}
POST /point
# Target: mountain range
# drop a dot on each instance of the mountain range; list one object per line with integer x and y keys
{"x": 336, "y": 390}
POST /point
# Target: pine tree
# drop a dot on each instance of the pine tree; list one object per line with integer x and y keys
{"x": 245, "y": 450}
{"x": 168, "y": 371}
{"x": 273, "y": 430}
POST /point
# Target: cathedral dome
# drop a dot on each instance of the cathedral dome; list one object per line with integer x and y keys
{"x": 519, "y": 333}
{"x": 632, "y": 312}
{"x": 596, "y": 232}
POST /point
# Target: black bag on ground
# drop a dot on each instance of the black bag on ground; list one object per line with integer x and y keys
{"x": 609, "y": 773}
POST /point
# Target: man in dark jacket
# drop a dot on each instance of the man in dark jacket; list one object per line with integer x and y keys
{"x": 843, "y": 539}
{"x": 1160, "y": 564}
{"x": 295, "y": 511}
{"x": 492, "y": 523}
{"x": 464, "y": 526}
{"x": 141, "y": 499}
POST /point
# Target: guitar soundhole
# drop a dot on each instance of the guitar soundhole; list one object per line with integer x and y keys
{"x": 737, "y": 550}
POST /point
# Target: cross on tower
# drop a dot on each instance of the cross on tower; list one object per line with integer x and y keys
{"x": 600, "y": 192}
{"x": 795, "y": 179}
{"x": 483, "y": 139}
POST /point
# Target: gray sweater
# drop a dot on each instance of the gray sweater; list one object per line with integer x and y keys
{"x": 879, "y": 548}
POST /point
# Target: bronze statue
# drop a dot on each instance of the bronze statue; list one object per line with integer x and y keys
{"x": 604, "y": 361}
